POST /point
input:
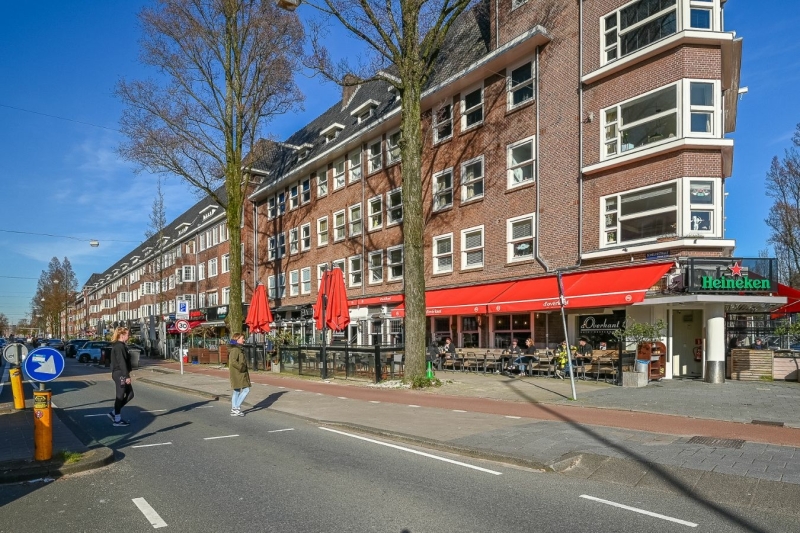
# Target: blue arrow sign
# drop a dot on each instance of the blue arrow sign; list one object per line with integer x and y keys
{"x": 44, "y": 364}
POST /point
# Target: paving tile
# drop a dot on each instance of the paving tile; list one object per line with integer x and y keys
{"x": 725, "y": 488}
{"x": 772, "y": 476}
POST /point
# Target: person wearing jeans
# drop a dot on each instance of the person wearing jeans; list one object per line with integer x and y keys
{"x": 240, "y": 378}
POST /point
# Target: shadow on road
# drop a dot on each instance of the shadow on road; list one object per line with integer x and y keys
{"x": 266, "y": 402}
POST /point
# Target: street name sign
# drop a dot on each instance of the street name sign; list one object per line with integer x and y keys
{"x": 44, "y": 364}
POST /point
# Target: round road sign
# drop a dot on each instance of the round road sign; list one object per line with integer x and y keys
{"x": 15, "y": 353}
{"x": 182, "y": 326}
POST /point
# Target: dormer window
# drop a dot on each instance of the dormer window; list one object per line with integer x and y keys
{"x": 331, "y": 133}
{"x": 303, "y": 151}
{"x": 365, "y": 110}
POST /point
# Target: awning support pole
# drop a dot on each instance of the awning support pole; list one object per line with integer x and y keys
{"x": 563, "y": 302}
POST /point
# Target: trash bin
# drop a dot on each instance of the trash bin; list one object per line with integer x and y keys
{"x": 105, "y": 356}
{"x": 135, "y": 354}
{"x": 643, "y": 367}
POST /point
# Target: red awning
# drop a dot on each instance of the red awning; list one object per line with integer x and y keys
{"x": 792, "y": 304}
{"x": 598, "y": 288}
{"x": 460, "y": 300}
{"x": 376, "y": 300}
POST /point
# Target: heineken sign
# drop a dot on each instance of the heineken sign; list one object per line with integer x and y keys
{"x": 732, "y": 275}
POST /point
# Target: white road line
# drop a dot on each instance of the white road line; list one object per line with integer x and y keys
{"x": 156, "y": 411}
{"x": 149, "y": 445}
{"x": 342, "y": 398}
{"x": 374, "y": 401}
{"x": 149, "y": 513}
{"x": 281, "y": 387}
{"x": 298, "y": 390}
{"x": 220, "y": 437}
{"x": 412, "y": 405}
{"x": 319, "y": 394}
{"x": 640, "y": 511}
{"x": 204, "y": 407}
{"x": 514, "y": 417}
{"x": 90, "y": 416}
{"x": 458, "y": 411}
{"x": 279, "y": 430}
{"x": 416, "y": 452}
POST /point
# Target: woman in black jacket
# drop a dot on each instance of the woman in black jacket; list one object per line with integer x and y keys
{"x": 121, "y": 374}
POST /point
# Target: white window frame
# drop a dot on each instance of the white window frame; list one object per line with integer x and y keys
{"x": 375, "y": 216}
{"x": 391, "y": 207}
{"x": 355, "y": 224}
{"x": 294, "y": 241}
{"x": 339, "y": 174}
{"x": 187, "y": 272}
{"x": 466, "y": 182}
{"x": 305, "y": 280}
{"x": 271, "y": 292}
{"x": 305, "y": 237}
{"x": 355, "y": 270}
{"x": 441, "y": 122}
{"x": 276, "y": 246}
{"x": 226, "y": 263}
{"x": 393, "y": 148}
{"x": 512, "y": 167}
{"x": 437, "y": 257}
{"x": 294, "y": 196}
{"x": 294, "y": 283}
{"x": 375, "y": 160}
{"x": 354, "y": 165}
{"x": 713, "y": 207}
{"x": 322, "y": 183}
{"x": 213, "y": 270}
{"x": 339, "y": 230}
{"x": 512, "y": 242}
{"x": 226, "y": 296}
{"x": 282, "y": 285}
{"x": 465, "y": 111}
{"x": 465, "y": 251}
{"x": 323, "y": 236}
{"x": 272, "y": 211}
{"x": 512, "y": 89}
{"x": 375, "y": 267}
{"x": 607, "y": 227}
{"x": 390, "y": 276}
{"x": 440, "y": 192}
{"x": 201, "y": 272}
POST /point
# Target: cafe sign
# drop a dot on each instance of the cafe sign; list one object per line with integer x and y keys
{"x": 731, "y": 275}
{"x": 589, "y": 324}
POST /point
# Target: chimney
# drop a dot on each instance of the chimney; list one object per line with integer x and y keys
{"x": 349, "y": 88}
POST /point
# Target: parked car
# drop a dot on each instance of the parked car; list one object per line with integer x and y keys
{"x": 90, "y": 352}
{"x": 72, "y": 347}
{"x": 58, "y": 344}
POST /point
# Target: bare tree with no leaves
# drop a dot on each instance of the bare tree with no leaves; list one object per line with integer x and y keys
{"x": 405, "y": 39}
{"x": 228, "y": 70}
{"x": 783, "y": 186}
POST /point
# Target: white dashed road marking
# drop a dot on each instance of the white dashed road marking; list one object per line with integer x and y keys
{"x": 458, "y": 411}
{"x": 149, "y": 513}
{"x": 156, "y": 411}
{"x": 514, "y": 417}
{"x": 374, "y": 401}
{"x": 640, "y": 511}
{"x": 279, "y": 430}
{"x": 220, "y": 437}
{"x": 149, "y": 445}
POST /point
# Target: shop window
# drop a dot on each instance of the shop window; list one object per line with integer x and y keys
{"x": 441, "y": 329}
{"x": 470, "y": 332}
{"x": 509, "y": 327}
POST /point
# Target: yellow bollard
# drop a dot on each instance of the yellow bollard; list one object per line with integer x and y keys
{"x": 16, "y": 389}
{"x": 42, "y": 425}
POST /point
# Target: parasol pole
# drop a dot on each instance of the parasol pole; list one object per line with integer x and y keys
{"x": 323, "y": 351}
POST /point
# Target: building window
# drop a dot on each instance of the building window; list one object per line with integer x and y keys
{"x": 443, "y": 122}
{"x": 472, "y": 108}
{"x": 394, "y": 207}
{"x": 509, "y": 327}
{"x": 276, "y": 247}
{"x": 212, "y": 298}
{"x": 355, "y": 220}
{"x": 212, "y": 267}
{"x": 226, "y": 295}
{"x": 393, "y": 147}
{"x": 443, "y": 254}
{"x": 305, "y": 281}
{"x": 701, "y": 206}
{"x": 271, "y": 213}
{"x": 520, "y": 162}
{"x": 355, "y": 271}
{"x": 519, "y": 236}
{"x": 305, "y": 191}
{"x": 470, "y": 332}
{"x": 187, "y": 273}
{"x": 322, "y": 183}
{"x": 443, "y": 190}
{"x": 700, "y": 14}
{"x": 339, "y": 263}
{"x": 202, "y": 241}
{"x": 338, "y": 174}
{"x": 305, "y": 237}
{"x": 294, "y": 283}
{"x": 375, "y": 213}
{"x": 201, "y": 272}
{"x": 637, "y": 25}
{"x": 294, "y": 241}
{"x": 640, "y": 215}
{"x": 394, "y": 263}
{"x": 281, "y": 200}
{"x": 472, "y": 179}
{"x": 338, "y": 226}
{"x": 320, "y": 270}
{"x": 472, "y": 248}
{"x": 374, "y": 156}
{"x": 701, "y": 107}
{"x": 226, "y": 263}
{"x": 376, "y": 267}
{"x": 294, "y": 196}
{"x": 520, "y": 85}
{"x": 641, "y": 121}
{"x": 354, "y": 166}
{"x": 322, "y": 231}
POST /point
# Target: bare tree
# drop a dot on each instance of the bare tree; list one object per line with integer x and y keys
{"x": 5, "y": 328}
{"x": 405, "y": 40}
{"x": 54, "y": 291}
{"x": 155, "y": 235}
{"x": 229, "y": 70}
{"x": 783, "y": 186}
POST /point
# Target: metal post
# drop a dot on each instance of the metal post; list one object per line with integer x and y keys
{"x": 378, "y": 370}
{"x": 563, "y": 302}
{"x": 180, "y": 353}
{"x": 42, "y": 424}
{"x": 323, "y": 354}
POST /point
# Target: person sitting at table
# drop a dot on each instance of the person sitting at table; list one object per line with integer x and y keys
{"x": 508, "y": 357}
{"x": 432, "y": 355}
{"x": 528, "y": 358}
{"x": 562, "y": 360}
{"x": 584, "y": 354}
{"x": 448, "y": 351}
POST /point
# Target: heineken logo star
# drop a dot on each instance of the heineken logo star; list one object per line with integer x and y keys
{"x": 736, "y": 269}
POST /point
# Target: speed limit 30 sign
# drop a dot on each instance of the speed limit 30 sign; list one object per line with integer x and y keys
{"x": 182, "y": 326}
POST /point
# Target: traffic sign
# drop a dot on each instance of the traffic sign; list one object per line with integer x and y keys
{"x": 44, "y": 364}
{"x": 181, "y": 308}
{"x": 182, "y": 326}
{"x": 15, "y": 352}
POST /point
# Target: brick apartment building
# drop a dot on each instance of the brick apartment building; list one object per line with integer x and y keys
{"x": 582, "y": 136}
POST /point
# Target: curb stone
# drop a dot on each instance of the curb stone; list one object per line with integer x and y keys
{"x": 25, "y": 470}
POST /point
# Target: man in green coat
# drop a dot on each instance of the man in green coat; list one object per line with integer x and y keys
{"x": 240, "y": 378}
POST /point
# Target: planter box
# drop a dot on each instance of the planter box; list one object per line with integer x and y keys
{"x": 634, "y": 379}
{"x": 276, "y": 367}
{"x": 787, "y": 368}
{"x": 751, "y": 365}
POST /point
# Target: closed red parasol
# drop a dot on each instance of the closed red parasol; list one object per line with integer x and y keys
{"x": 259, "y": 316}
{"x": 333, "y": 291}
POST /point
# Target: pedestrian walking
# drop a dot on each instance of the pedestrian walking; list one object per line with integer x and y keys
{"x": 121, "y": 374}
{"x": 240, "y": 378}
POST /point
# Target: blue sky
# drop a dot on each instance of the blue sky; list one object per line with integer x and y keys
{"x": 63, "y": 177}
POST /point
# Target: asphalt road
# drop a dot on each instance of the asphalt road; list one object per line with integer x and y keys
{"x": 186, "y": 465}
